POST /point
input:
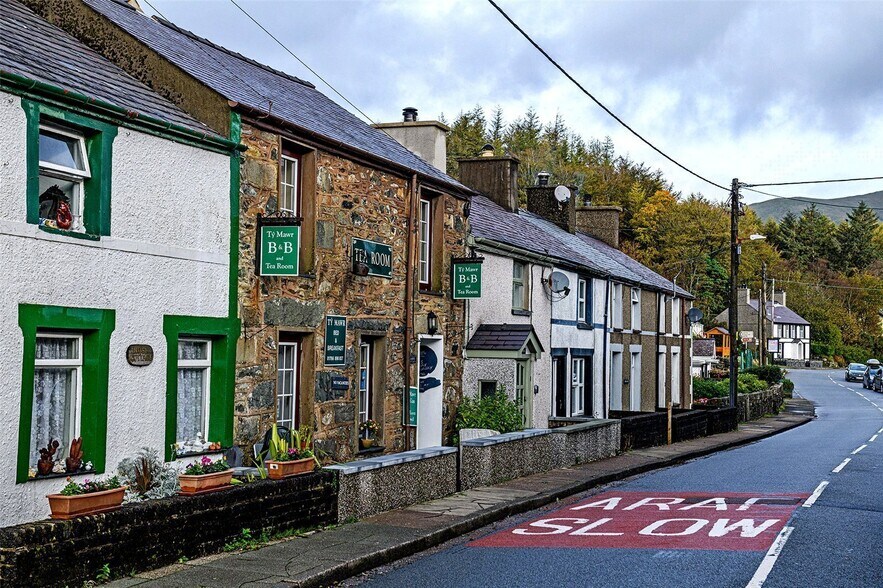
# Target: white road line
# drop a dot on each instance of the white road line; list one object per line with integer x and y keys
{"x": 880, "y": 432}
{"x": 842, "y": 465}
{"x": 769, "y": 560}
{"x": 872, "y": 439}
{"x": 815, "y": 495}
{"x": 859, "y": 449}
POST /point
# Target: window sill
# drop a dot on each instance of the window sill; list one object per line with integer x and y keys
{"x": 38, "y": 477}
{"x": 584, "y": 326}
{"x": 74, "y": 234}
{"x": 371, "y": 450}
{"x": 428, "y": 292}
{"x": 521, "y": 312}
{"x": 200, "y": 453}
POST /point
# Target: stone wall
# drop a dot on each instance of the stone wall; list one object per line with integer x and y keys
{"x": 155, "y": 533}
{"x": 641, "y": 429}
{"x": 386, "y": 482}
{"x": 491, "y": 460}
{"x": 585, "y": 442}
{"x": 757, "y": 404}
{"x": 687, "y": 424}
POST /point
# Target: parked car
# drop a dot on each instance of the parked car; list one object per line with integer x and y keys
{"x": 855, "y": 372}
{"x": 873, "y": 372}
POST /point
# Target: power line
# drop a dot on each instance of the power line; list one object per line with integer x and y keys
{"x": 598, "y": 102}
{"x": 809, "y": 200}
{"x": 822, "y": 285}
{"x": 816, "y": 182}
{"x": 290, "y": 52}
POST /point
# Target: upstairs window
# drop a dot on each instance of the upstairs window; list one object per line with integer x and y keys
{"x": 617, "y": 306}
{"x": 582, "y": 289}
{"x": 676, "y": 317}
{"x": 425, "y": 262}
{"x": 289, "y": 183}
{"x": 519, "y": 286}
{"x": 661, "y": 326}
{"x": 64, "y": 169}
{"x": 636, "y": 309}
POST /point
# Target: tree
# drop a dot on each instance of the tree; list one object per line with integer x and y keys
{"x": 467, "y": 137}
{"x": 815, "y": 237}
{"x": 855, "y": 237}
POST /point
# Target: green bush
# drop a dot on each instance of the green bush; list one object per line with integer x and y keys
{"x": 748, "y": 383}
{"x": 771, "y": 374}
{"x": 710, "y": 388}
{"x": 495, "y": 412}
{"x": 787, "y": 386}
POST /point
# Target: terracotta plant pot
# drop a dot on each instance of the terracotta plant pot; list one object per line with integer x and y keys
{"x": 204, "y": 483}
{"x": 67, "y": 507}
{"x": 283, "y": 469}
{"x": 366, "y": 443}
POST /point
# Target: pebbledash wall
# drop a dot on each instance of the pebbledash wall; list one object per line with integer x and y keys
{"x": 342, "y": 199}
{"x": 167, "y": 254}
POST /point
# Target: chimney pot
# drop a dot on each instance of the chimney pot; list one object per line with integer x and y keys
{"x": 543, "y": 178}
{"x": 487, "y": 150}
{"x": 410, "y": 114}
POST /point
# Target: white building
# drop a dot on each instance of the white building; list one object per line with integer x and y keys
{"x": 117, "y": 265}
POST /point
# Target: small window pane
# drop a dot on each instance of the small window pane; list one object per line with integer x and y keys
{"x": 191, "y": 403}
{"x": 517, "y": 295}
{"x": 487, "y": 389}
{"x": 61, "y": 150}
{"x": 57, "y": 348}
{"x": 53, "y": 410}
{"x": 518, "y": 271}
{"x": 192, "y": 350}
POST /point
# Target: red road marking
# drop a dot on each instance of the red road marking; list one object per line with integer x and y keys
{"x": 657, "y": 520}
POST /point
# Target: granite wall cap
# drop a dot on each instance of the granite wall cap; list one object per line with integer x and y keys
{"x": 589, "y": 424}
{"x": 382, "y": 461}
{"x": 505, "y": 438}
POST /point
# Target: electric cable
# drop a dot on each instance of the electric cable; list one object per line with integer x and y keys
{"x": 810, "y": 200}
{"x": 835, "y": 181}
{"x": 598, "y": 102}
{"x": 823, "y": 285}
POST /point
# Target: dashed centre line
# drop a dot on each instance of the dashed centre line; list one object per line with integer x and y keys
{"x": 858, "y": 449}
{"x": 872, "y": 439}
{"x": 769, "y": 560}
{"x": 842, "y": 465}
{"x": 815, "y": 495}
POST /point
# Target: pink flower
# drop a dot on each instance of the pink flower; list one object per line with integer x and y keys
{"x": 206, "y": 460}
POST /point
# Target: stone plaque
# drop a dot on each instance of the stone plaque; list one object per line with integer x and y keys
{"x": 377, "y": 256}
{"x": 139, "y": 355}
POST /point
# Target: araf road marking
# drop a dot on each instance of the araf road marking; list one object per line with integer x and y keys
{"x": 872, "y": 439}
{"x": 816, "y": 493}
{"x": 842, "y": 465}
{"x": 769, "y": 560}
{"x": 858, "y": 449}
{"x": 658, "y": 520}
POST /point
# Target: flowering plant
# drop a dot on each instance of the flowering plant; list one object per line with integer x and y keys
{"x": 89, "y": 486}
{"x": 369, "y": 427}
{"x": 206, "y": 466}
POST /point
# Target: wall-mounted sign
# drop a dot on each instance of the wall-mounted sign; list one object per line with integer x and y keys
{"x": 409, "y": 410}
{"x": 466, "y": 280}
{"x": 377, "y": 257}
{"x": 139, "y": 355}
{"x": 340, "y": 383}
{"x": 278, "y": 246}
{"x": 335, "y": 340}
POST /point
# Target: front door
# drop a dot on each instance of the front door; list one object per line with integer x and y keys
{"x": 524, "y": 390}
{"x": 559, "y": 384}
{"x": 430, "y": 368}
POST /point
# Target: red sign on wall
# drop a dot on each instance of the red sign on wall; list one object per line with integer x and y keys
{"x": 658, "y": 520}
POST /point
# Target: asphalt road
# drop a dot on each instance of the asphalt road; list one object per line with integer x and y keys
{"x": 803, "y": 508}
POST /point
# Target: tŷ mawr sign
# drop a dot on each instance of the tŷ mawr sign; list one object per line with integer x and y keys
{"x": 467, "y": 278}
{"x": 376, "y": 256}
{"x": 658, "y": 520}
{"x": 278, "y": 246}
{"x": 335, "y": 340}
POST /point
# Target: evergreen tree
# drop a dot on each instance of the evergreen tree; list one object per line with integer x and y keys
{"x": 855, "y": 237}
{"x": 468, "y": 135}
{"x": 815, "y": 237}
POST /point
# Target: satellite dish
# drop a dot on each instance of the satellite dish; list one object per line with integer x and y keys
{"x": 695, "y": 315}
{"x": 562, "y": 194}
{"x": 559, "y": 282}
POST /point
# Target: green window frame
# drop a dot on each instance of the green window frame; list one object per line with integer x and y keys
{"x": 95, "y": 325}
{"x": 99, "y": 138}
{"x": 223, "y": 333}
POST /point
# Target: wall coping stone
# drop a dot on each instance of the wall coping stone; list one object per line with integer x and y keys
{"x": 505, "y": 438}
{"x": 383, "y": 461}
{"x": 584, "y": 426}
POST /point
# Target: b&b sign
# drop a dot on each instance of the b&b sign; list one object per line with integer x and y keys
{"x": 280, "y": 246}
{"x": 466, "y": 282}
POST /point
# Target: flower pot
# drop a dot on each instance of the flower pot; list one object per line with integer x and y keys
{"x": 205, "y": 483}
{"x": 67, "y": 507}
{"x": 366, "y": 443}
{"x": 283, "y": 469}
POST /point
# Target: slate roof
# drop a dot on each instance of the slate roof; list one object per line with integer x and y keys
{"x": 258, "y": 86}
{"x": 33, "y": 48}
{"x": 703, "y": 347}
{"x": 533, "y": 233}
{"x": 491, "y": 337}
{"x": 784, "y": 315}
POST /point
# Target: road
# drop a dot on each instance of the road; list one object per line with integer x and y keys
{"x": 803, "y": 508}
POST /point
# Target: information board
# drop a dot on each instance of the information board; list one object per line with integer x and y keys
{"x": 279, "y": 253}
{"x": 409, "y": 410}
{"x": 376, "y": 256}
{"x": 467, "y": 280}
{"x": 335, "y": 340}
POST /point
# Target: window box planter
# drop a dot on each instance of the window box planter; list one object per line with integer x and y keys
{"x": 278, "y": 470}
{"x": 68, "y": 507}
{"x": 191, "y": 484}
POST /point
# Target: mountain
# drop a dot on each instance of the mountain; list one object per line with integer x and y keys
{"x": 835, "y": 208}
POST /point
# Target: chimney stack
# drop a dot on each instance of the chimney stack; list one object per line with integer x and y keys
{"x": 554, "y": 203}
{"x": 779, "y": 297}
{"x": 428, "y": 139}
{"x": 495, "y": 177}
{"x": 601, "y": 222}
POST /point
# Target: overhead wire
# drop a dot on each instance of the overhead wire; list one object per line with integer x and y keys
{"x": 823, "y": 285}
{"x": 834, "y": 181}
{"x": 809, "y": 200}
{"x": 599, "y": 103}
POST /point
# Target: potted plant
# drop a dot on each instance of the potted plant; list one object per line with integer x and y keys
{"x": 90, "y": 497}
{"x": 205, "y": 476}
{"x": 368, "y": 429}
{"x": 291, "y": 457}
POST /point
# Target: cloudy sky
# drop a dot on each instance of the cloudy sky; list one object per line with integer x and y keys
{"x": 764, "y": 91}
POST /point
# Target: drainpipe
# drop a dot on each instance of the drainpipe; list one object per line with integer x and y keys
{"x": 409, "y": 302}
{"x": 604, "y": 383}
{"x": 660, "y": 302}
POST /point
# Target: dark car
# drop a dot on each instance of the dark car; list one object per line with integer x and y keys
{"x": 855, "y": 372}
{"x": 872, "y": 373}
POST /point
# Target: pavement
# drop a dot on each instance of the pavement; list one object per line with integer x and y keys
{"x": 336, "y": 554}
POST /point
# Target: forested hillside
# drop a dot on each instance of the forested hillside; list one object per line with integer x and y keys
{"x": 833, "y": 273}
{"x": 834, "y": 208}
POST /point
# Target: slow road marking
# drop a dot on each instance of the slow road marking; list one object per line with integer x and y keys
{"x": 657, "y": 520}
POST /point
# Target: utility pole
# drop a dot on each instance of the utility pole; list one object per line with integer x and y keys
{"x": 734, "y": 289}
{"x": 762, "y": 313}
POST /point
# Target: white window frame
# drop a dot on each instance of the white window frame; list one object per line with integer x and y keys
{"x": 287, "y": 377}
{"x": 425, "y": 250}
{"x": 661, "y": 326}
{"x": 205, "y": 364}
{"x": 289, "y": 200}
{"x": 636, "y": 309}
{"x": 70, "y": 174}
{"x": 675, "y": 316}
{"x": 577, "y": 386}
{"x": 616, "y": 380}
{"x": 616, "y": 314}
{"x": 660, "y": 370}
{"x": 635, "y": 382}
{"x": 581, "y": 300}
{"x": 522, "y": 282}
{"x": 365, "y": 353}
{"x": 75, "y": 414}
{"x": 675, "y": 376}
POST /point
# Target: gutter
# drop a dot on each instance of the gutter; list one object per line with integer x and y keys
{"x": 118, "y": 113}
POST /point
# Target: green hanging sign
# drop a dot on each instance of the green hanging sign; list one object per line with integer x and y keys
{"x": 375, "y": 258}
{"x": 466, "y": 278}
{"x": 278, "y": 246}
{"x": 409, "y": 408}
{"x": 335, "y": 340}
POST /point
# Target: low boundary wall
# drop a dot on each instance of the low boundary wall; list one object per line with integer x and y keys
{"x": 641, "y": 429}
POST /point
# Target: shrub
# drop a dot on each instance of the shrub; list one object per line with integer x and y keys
{"x": 496, "y": 412}
{"x": 771, "y": 374}
{"x": 710, "y": 388}
{"x": 748, "y": 383}
{"x": 787, "y": 386}
{"x": 147, "y": 476}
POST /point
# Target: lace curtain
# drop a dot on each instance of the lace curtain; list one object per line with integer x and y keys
{"x": 53, "y": 399}
{"x": 191, "y": 403}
